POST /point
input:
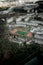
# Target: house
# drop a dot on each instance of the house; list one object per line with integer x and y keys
{"x": 20, "y": 35}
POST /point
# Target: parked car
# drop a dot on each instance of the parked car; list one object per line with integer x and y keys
{"x": 40, "y": 7}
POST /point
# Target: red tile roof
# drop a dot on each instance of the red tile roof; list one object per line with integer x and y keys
{"x": 14, "y": 31}
{"x": 29, "y": 34}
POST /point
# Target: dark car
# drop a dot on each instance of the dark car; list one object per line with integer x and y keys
{"x": 20, "y": 10}
{"x": 40, "y": 7}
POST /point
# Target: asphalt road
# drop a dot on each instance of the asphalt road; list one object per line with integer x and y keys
{"x": 34, "y": 61}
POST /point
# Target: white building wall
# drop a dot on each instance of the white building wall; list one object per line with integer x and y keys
{"x": 30, "y": 0}
{"x": 21, "y": 0}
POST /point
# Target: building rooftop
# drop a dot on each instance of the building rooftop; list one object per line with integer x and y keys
{"x": 22, "y": 33}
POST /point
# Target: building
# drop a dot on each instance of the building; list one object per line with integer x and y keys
{"x": 20, "y": 35}
{"x": 38, "y": 36}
